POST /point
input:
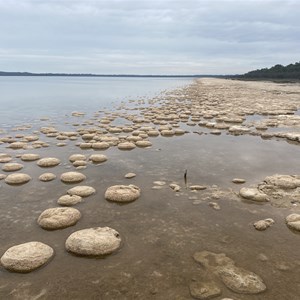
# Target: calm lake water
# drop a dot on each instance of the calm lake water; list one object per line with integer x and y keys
{"x": 161, "y": 230}
{"x": 23, "y": 99}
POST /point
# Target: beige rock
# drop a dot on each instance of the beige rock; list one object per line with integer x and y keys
{"x": 26, "y": 257}
{"x": 98, "y": 158}
{"x": 100, "y": 145}
{"x": 293, "y": 221}
{"x": 96, "y": 241}
{"x": 235, "y": 278}
{"x": 58, "y": 218}
{"x": 143, "y": 143}
{"x": 48, "y": 162}
{"x": 82, "y": 191}
{"x": 263, "y": 224}
{"x": 204, "y": 290}
{"x": 47, "y": 177}
{"x": 30, "y": 157}
{"x": 283, "y": 181}
{"x": 130, "y": 175}
{"x": 238, "y": 180}
{"x": 175, "y": 187}
{"x": 122, "y": 193}
{"x": 198, "y": 187}
{"x": 68, "y": 200}
{"x": 253, "y": 194}
{"x": 17, "y": 145}
{"x": 72, "y": 177}
{"x": 11, "y": 167}
{"x": 17, "y": 178}
{"x": 75, "y": 157}
{"x": 126, "y": 146}
{"x": 4, "y": 158}
{"x": 2, "y": 176}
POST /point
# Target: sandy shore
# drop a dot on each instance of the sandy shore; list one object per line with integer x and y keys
{"x": 209, "y": 161}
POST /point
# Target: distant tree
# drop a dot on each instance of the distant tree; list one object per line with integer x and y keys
{"x": 291, "y": 71}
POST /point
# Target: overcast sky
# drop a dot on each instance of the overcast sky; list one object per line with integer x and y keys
{"x": 148, "y": 36}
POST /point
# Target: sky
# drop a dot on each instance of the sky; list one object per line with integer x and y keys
{"x": 148, "y": 36}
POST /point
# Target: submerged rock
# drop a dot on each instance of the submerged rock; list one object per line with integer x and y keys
{"x": 293, "y": 221}
{"x": 93, "y": 241}
{"x": 122, "y": 193}
{"x": 204, "y": 290}
{"x": 26, "y": 257}
{"x": 283, "y": 181}
{"x": 241, "y": 281}
{"x": 235, "y": 278}
{"x": 253, "y": 194}
{"x": 263, "y": 224}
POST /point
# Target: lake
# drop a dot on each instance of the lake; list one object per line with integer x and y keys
{"x": 190, "y": 233}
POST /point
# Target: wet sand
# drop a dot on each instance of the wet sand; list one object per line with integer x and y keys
{"x": 163, "y": 229}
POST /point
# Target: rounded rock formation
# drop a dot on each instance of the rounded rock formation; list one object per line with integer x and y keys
{"x": 98, "y": 158}
{"x": 100, "y": 146}
{"x": 93, "y": 241}
{"x": 30, "y": 157}
{"x": 126, "y": 146}
{"x": 130, "y": 175}
{"x": 4, "y": 158}
{"x": 122, "y": 193}
{"x": 17, "y": 178}
{"x": 58, "y": 218}
{"x": 26, "y": 257}
{"x": 48, "y": 162}
{"x": 253, "y": 194}
{"x": 68, "y": 200}
{"x": 143, "y": 143}
{"x": 47, "y": 177}
{"x": 293, "y": 221}
{"x": 263, "y": 224}
{"x": 72, "y": 177}
{"x": 11, "y": 167}
{"x": 82, "y": 191}
{"x": 75, "y": 157}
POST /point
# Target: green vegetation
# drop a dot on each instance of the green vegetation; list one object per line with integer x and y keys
{"x": 291, "y": 71}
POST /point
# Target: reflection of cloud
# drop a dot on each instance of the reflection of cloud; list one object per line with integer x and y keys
{"x": 114, "y": 36}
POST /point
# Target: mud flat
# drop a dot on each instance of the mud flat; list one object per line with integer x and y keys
{"x": 210, "y": 208}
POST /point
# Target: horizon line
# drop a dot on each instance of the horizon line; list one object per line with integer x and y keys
{"x": 25, "y": 73}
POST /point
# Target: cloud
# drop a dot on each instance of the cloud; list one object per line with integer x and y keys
{"x": 148, "y": 36}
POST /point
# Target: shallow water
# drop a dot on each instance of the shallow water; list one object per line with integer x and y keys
{"x": 25, "y": 99}
{"x": 162, "y": 229}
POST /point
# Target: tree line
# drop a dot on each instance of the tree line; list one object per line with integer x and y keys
{"x": 291, "y": 71}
